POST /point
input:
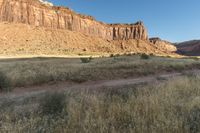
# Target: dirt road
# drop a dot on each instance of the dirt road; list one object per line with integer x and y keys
{"x": 26, "y": 92}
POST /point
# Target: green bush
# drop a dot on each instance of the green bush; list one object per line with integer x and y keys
{"x": 195, "y": 58}
{"x": 115, "y": 55}
{"x": 112, "y": 55}
{"x": 53, "y": 103}
{"x": 4, "y": 82}
{"x": 194, "y": 120}
{"x": 152, "y": 54}
{"x": 86, "y": 60}
{"x": 144, "y": 56}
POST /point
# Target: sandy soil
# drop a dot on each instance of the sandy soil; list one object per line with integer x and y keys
{"x": 20, "y": 40}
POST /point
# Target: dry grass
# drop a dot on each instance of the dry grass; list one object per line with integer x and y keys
{"x": 171, "y": 107}
{"x": 35, "y": 71}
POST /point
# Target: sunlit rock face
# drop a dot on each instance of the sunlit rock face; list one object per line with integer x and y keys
{"x": 163, "y": 45}
{"x": 43, "y": 14}
{"x": 46, "y": 2}
{"x": 129, "y": 31}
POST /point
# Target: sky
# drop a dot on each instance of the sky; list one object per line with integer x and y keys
{"x": 172, "y": 20}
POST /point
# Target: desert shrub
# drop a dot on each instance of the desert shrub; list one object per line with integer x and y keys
{"x": 4, "y": 82}
{"x": 168, "y": 56}
{"x": 117, "y": 55}
{"x": 195, "y": 58}
{"x": 53, "y": 103}
{"x": 177, "y": 67}
{"x": 193, "y": 121}
{"x": 78, "y": 79}
{"x": 112, "y": 55}
{"x": 144, "y": 56}
{"x": 129, "y": 54}
{"x": 152, "y": 54}
{"x": 80, "y": 54}
{"x": 86, "y": 60}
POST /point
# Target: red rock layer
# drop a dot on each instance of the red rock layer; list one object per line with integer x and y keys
{"x": 34, "y": 12}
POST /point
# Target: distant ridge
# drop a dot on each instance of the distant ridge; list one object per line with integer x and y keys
{"x": 190, "y": 48}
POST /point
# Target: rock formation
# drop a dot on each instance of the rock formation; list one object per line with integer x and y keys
{"x": 36, "y": 27}
{"x": 44, "y": 14}
{"x": 129, "y": 31}
{"x": 163, "y": 45}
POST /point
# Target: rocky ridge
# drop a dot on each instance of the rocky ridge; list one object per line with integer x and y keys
{"x": 36, "y": 27}
{"x": 18, "y": 39}
{"x": 162, "y": 44}
{"x": 43, "y": 14}
{"x": 189, "y": 48}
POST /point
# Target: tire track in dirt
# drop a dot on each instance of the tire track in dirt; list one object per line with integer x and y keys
{"x": 26, "y": 92}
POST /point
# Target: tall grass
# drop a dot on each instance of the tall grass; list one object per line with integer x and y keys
{"x": 86, "y": 59}
{"x": 171, "y": 107}
{"x": 36, "y": 71}
{"x": 4, "y": 82}
{"x": 53, "y": 103}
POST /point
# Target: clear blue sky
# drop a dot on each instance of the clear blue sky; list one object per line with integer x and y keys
{"x": 173, "y": 20}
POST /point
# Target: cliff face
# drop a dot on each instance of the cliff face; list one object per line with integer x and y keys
{"x": 18, "y": 39}
{"x": 163, "y": 45}
{"x": 34, "y": 12}
{"x": 129, "y": 31}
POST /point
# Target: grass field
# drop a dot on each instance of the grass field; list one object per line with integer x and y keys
{"x": 169, "y": 107}
{"x": 36, "y": 71}
{"x": 172, "y": 106}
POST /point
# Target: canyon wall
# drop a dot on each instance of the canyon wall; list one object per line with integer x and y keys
{"x": 163, "y": 45}
{"x": 37, "y": 13}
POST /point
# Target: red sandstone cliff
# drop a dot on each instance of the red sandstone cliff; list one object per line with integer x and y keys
{"x": 34, "y": 12}
{"x": 163, "y": 45}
